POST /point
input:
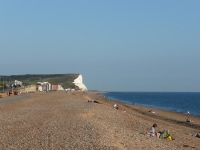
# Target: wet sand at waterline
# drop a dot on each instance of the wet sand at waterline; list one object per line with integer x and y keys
{"x": 60, "y": 120}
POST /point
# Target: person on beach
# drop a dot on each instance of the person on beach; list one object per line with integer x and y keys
{"x": 93, "y": 101}
{"x": 124, "y": 111}
{"x": 188, "y": 113}
{"x": 153, "y": 112}
{"x": 116, "y": 106}
{"x": 152, "y": 131}
{"x": 188, "y": 119}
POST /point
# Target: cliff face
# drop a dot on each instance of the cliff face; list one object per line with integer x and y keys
{"x": 79, "y": 82}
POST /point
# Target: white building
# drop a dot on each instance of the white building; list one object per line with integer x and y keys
{"x": 43, "y": 86}
{"x": 16, "y": 82}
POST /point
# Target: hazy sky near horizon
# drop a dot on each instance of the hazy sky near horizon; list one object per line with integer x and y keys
{"x": 116, "y": 45}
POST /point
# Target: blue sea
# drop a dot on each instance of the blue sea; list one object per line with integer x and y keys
{"x": 173, "y": 101}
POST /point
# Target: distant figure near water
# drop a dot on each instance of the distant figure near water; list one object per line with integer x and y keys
{"x": 152, "y": 111}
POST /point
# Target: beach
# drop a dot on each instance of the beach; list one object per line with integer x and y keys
{"x": 60, "y": 120}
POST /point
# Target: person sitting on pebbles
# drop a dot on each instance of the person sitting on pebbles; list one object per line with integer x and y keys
{"x": 188, "y": 119}
{"x": 124, "y": 111}
{"x": 152, "y": 111}
{"x": 116, "y": 106}
{"x": 152, "y": 131}
{"x": 93, "y": 101}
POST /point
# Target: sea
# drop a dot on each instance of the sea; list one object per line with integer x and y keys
{"x": 174, "y": 101}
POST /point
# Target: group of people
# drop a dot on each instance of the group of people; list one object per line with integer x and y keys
{"x": 152, "y": 130}
{"x": 165, "y": 133}
{"x": 115, "y": 105}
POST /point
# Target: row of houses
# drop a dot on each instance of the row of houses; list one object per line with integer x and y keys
{"x": 41, "y": 86}
{"x": 46, "y": 86}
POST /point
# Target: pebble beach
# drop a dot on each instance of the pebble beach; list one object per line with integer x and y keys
{"x": 66, "y": 121}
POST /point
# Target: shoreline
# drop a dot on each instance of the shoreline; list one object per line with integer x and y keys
{"x": 152, "y": 107}
{"x": 165, "y": 115}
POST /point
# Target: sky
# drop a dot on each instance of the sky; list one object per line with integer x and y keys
{"x": 116, "y": 45}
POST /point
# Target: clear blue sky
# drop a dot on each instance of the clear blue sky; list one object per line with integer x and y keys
{"x": 116, "y": 45}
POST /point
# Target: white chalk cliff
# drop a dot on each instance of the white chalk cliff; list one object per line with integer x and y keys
{"x": 79, "y": 82}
